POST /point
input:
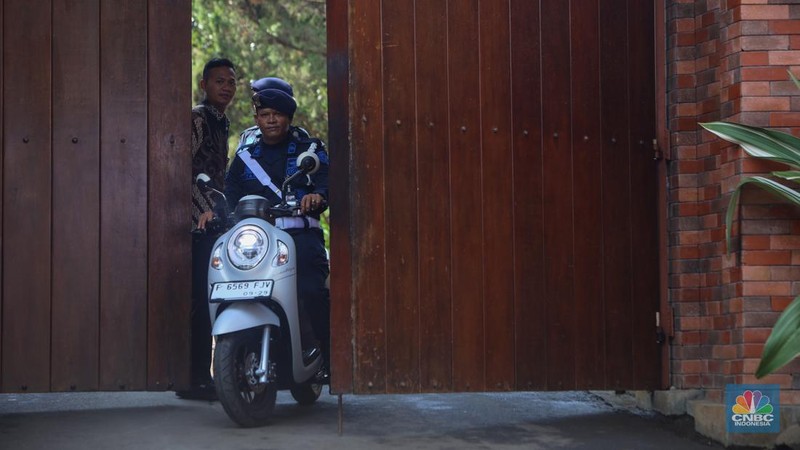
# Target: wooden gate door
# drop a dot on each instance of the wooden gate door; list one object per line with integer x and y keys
{"x": 95, "y": 254}
{"x": 494, "y": 195}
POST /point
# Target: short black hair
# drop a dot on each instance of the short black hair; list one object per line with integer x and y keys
{"x": 214, "y": 63}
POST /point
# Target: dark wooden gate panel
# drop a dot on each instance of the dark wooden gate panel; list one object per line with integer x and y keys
{"x": 96, "y": 220}
{"x": 588, "y": 176}
{"x": 26, "y": 195}
{"x": 616, "y": 193}
{"x": 557, "y": 197}
{"x": 528, "y": 209}
{"x": 123, "y": 175}
{"x": 644, "y": 191}
{"x": 497, "y": 184}
{"x": 2, "y": 178}
{"x": 465, "y": 208}
{"x": 367, "y": 137}
{"x": 169, "y": 256}
{"x": 518, "y": 175}
{"x": 76, "y": 195}
{"x": 400, "y": 178}
{"x": 433, "y": 161}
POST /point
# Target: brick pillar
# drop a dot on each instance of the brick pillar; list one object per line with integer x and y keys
{"x": 727, "y": 60}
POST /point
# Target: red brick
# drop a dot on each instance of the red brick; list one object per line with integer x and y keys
{"x": 724, "y": 352}
{"x": 754, "y": 88}
{"x": 754, "y": 59}
{"x": 783, "y": 58}
{"x": 765, "y": 104}
{"x": 757, "y": 319}
{"x": 689, "y": 324}
{"x": 755, "y": 335}
{"x": 784, "y": 273}
{"x": 780, "y": 303}
{"x": 752, "y": 350}
{"x": 756, "y": 273}
{"x": 693, "y": 366}
{"x": 784, "y": 119}
{"x": 765, "y": 42}
{"x": 693, "y": 237}
{"x": 785, "y": 27}
{"x": 763, "y": 73}
{"x": 785, "y": 242}
{"x": 764, "y": 12}
{"x": 766, "y": 258}
{"x": 751, "y": 242}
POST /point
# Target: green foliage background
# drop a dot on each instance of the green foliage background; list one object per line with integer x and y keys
{"x": 264, "y": 38}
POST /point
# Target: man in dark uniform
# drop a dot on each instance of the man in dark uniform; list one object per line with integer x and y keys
{"x": 275, "y": 151}
{"x": 210, "y": 130}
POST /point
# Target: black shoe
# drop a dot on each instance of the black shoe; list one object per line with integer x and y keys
{"x": 310, "y": 355}
{"x": 204, "y": 391}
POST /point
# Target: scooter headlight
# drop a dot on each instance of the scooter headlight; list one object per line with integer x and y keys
{"x": 247, "y": 247}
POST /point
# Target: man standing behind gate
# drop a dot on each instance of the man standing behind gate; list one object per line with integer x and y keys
{"x": 210, "y": 130}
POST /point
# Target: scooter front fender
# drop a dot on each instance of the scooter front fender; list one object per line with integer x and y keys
{"x": 243, "y": 315}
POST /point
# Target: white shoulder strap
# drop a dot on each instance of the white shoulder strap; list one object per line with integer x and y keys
{"x": 259, "y": 172}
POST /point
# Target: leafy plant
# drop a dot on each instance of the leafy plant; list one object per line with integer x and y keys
{"x": 783, "y": 344}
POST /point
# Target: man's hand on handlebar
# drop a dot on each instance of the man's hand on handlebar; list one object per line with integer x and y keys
{"x": 203, "y": 219}
{"x": 311, "y": 202}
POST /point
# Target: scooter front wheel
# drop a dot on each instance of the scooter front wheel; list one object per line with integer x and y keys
{"x": 246, "y": 401}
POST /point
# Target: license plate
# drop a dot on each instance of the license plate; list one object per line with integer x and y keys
{"x": 241, "y": 290}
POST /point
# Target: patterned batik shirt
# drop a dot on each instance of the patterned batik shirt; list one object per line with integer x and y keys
{"x": 209, "y": 154}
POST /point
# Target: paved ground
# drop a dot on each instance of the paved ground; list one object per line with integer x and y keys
{"x": 434, "y": 421}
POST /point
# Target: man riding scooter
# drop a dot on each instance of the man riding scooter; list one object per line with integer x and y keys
{"x": 260, "y": 167}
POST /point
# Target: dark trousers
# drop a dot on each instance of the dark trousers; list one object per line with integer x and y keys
{"x": 201, "y": 323}
{"x": 312, "y": 271}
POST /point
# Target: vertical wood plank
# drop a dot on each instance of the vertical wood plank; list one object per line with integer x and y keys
{"x": 465, "y": 190}
{"x": 368, "y": 224}
{"x": 169, "y": 211}
{"x": 433, "y": 156}
{"x": 76, "y": 164}
{"x": 530, "y": 320}
{"x": 340, "y": 238}
{"x": 616, "y": 191}
{"x": 123, "y": 198}
{"x": 558, "y": 194}
{"x": 588, "y": 175}
{"x": 27, "y": 196}
{"x": 400, "y": 177}
{"x": 498, "y": 274}
{"x": 662, "y": 133}
{"x": 644, "y": 188}
{"x": 2, "y": 177}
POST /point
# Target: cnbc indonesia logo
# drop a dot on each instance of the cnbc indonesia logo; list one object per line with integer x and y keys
{"x": 752, "y": 410}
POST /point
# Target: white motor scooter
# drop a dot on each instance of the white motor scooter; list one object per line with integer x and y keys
{"x": 252, "y": 280}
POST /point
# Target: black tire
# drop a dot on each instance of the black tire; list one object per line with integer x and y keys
{"x": 306, "y": 394}
{"x": 235, "y": 357}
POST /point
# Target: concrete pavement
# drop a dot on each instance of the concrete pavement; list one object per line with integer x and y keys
{"x": 147, "y": 420}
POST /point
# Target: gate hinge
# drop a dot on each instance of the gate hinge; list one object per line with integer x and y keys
{"x": 661, "y": 336}
{"x": 657, "y": 153}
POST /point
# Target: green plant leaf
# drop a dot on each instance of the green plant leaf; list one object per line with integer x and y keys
{"x": 796, "y": 81}
{"x": 783, "y": 344}
{"x": 790, "y": 175}
{"x": 759, "y": 142}
{"x": 765, "y": 183}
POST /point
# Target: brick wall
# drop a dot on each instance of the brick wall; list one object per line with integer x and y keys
{"x": 727, "y": 60}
